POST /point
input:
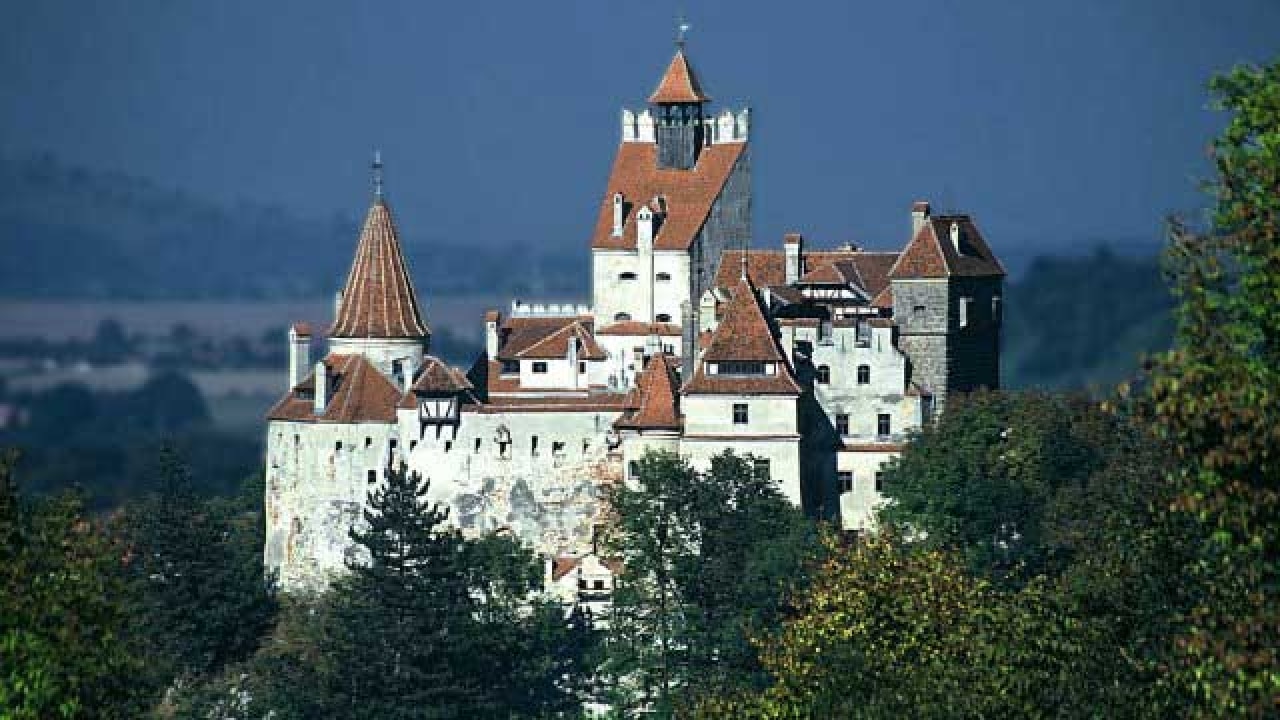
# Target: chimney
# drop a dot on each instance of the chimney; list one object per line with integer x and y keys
{"x": 299, "y": 352}
{"x": 322, "y": 387}
{"x": 644, "y": 229}
{"x": 491, "y": 321}
{"x": 707, "y": 312}
{"x": 955, "y": 235}
{"x": 617, "y": 214}
{"x": 337, "y": 304}
{"x": 919, "y": 213}
{"x": 793, "y": 247}
{"x": 689, "y": 341}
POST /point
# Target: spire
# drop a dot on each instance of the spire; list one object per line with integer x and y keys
{"x": 376, "y": 167}
{"x": 378, "y": 300}
{"x": 679, "y": 84}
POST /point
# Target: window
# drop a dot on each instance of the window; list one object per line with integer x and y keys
{"x": 995, "y": 309}
{"x": 879, "y": 482}
{"x": 823, "y": 375}
{"x": 663, "y": 318}
{"x": 842, "y": 424}
{"x": 373, "y": 476}
{"x": 964, "y": 311}
{"x": 739, "y": 413}
{"x": 337, "y": 446}
{"x": 633, "y": 469}
{"x": 392, "y": 443}
{"x": 477, "y": 450}
{"x": 761, "y": 468}
{"x": 510, "y": 367}
{"x": 533, "y": 446}
{"x": 740, "y": 367}
{"x": 882, "y": 424}
{"x": 412, "y": 444}
{"x": 557, "y": 449}
{"x": 638, "y": 352}
{"x": 864, "y": 374}
{"x": 448, "y": 445}
{"x": 540, "y": 367}
{"x": 627, "y": 276}
{"x": 845, "y": 480}
{"x": 368, "y": 441}
{"x": 662, "y": 277}
{"x": 622, "y": 317}
{"x": 598, "y": 585}
{"x": 582, "y": 367}
{"x": 917, "y": 313}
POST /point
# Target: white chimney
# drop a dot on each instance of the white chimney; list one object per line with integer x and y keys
{"x": 919, "y": 214}
{"x": 644, "y": 230}
{"x": 322, "y": 387}
{"x": 617, "y": 214}
{"x": 299, "y": 352}
{"x": 955, "y": 236}
{"x": 793, "y": 247}
{"x": 337, "y": 304}
{"x": 491, "y": 321}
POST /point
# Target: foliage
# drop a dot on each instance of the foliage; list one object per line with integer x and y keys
{"x": 891, "y": 631}
{"x": 708, "y": 556}
{"x": 197, "y": 571}
{"x": 65, "y": 649}
{"x": 1214, "y": 400}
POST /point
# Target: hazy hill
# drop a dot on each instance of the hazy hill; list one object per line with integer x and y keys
{"x": 67, "y": 232}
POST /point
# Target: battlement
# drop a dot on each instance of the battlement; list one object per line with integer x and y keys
{"x": 524, "y": 309}
{"x": 718, "y": 129}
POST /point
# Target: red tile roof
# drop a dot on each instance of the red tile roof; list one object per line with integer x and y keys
{"x": 517, "y": 334}
{"x": 679, "y": 84}
{"x": 931, "y": 254}
{"x": 378, "y": 300}
{"x": 556, "y": 345}
{"x": 743, "y": 334}
{"x": 655, "y": 401}
{"x": 358, "y": 392}
{"x": 302, "y": 329}
{"x": 689, "y": 194}
{"x": 436, "y": 378}
{"x": 635, "y": 327}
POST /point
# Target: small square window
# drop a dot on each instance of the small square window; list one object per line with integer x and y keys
{"x": 740, "y": 416}
{"x": 823, "y": 375}
{"x": 540, "y": 367}
{"x": 582, "y": 367}
{"x": 598, "y": 585}
{"x": 846, "y": 481}
{"x": 842, "y": 424}
{"x": 373, "y": 476}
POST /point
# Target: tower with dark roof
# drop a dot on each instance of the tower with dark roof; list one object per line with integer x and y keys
{"x": 678, "y": 103}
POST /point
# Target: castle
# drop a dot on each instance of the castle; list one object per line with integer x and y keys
{"x": 814, "y": 362}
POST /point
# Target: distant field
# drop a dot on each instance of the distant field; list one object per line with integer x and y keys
{"x": 57, "y": 320}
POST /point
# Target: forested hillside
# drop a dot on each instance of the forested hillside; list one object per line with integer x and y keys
{"x": 90, "y": 234}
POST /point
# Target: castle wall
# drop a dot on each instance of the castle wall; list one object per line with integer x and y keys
{"x": 315, "y": 490}
{"x": 383, "y": 352}
{"x": 974, "y": 350}
{"x": 858, "y": 506}
{"x": 728, "y": 227}
{"x": 922, "y": 310}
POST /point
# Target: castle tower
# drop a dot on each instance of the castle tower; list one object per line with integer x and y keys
{"x": 377, "y": 313}
{"x": 678, "y": 103}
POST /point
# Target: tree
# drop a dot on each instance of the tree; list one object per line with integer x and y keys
{"x": 203, "y": 600}
{"x": 65, "y": 647}
{"x": 707, "y": 557}
{"x": 1213, "y": 399}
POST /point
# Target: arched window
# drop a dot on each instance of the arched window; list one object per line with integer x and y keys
{"x": 627, "y": 276}
{"x": 663, "y": 317}
{"x": 864, "y": 375}
{"x": 662, "y": 277}
{"x": 823, "y": 375}
{"x": 622, "y": 317}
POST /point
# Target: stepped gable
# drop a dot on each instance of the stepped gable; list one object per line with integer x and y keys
{"x": 378, "y": 300}
{"x": 654, "y": 403}
{"x": 679, "y": 84}
{"x": 931, "y": 253}
{"x": 743, "y": 335}
{"x": 437, "y": 378}
{"x": 357, "y": 393}
{"x": 556, "y": 345}
{"x": 689, "y": 194}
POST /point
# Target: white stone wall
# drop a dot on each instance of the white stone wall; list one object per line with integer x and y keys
{"x": 315, "y": 491}
{"x": 624, "y": 362}
{"x": 858, "y": 506}
{"x": 548, "y": 497}
{"x": 382, "y": 353}
{"x": 864, "y": 403}
{"x": 770, "y": 415}
{"x": 561, "y": 373}
{"x": 783, "y": 456}
{"x": 668, "y": 294}
{"x": 612, "y": 295}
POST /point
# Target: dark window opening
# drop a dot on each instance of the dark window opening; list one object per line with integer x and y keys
{"x": 864, "y": 375}
{"x": 368, "y": 441}
{"x": 663, "y": 277}
{"x": 846, "y": 481}
{"x": 373, "y": 476}
{"x": 842, "y": 424}
{"x": 761, "y": 468}
{"x": 510, "y": 367}
{"x": 622, "y": 317}
{"x": 582, "y": 367}
{"x": 448, "y": 445}
{"x": 823, "y": 375}
{"x": 533, "y": 446}
{"x": 633, "y": 469}
{"x": 879, "y": 482}
{"x": 540, "y": 367}
{"x": 882, "y": 424}
{"x": 663, "y": 318}
{"x": 740, "y": 367}
{"x": 627, "y": 276}
{"x": 477, "y": 450}
{"x": 337, "y": 446}
{"x": 412, "y": 444}
{"x": 598, "y": 584}
{"x": 740, "y": 416}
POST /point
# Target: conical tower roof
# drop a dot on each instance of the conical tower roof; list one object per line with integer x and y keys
{"x": 679, "y": 84}
{"x": 378, "y": 300}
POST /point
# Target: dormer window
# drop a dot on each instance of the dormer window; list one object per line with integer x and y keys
{"x": 738, "y": 367}
{"x": 510, "y": 367}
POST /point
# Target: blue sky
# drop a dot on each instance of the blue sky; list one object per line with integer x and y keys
{"x": 1058, "y": 124}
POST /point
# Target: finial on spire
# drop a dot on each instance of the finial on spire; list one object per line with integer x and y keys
{"x": 377, "y": 174}
{"x": 682, "y": 28}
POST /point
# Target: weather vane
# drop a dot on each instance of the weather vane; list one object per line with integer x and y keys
{"x": 682, "y": 28}
{"x": 377, "y": 173}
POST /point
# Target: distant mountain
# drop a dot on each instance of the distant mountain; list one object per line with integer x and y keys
{"x": 1083, "y": 322}
{"x": 71, "y": 233}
